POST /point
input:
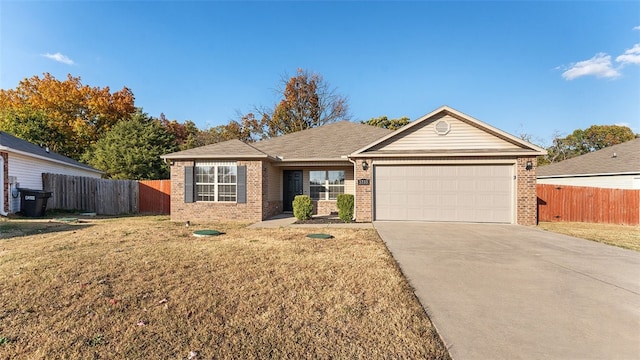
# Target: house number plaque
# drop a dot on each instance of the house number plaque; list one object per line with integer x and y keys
{"x": 363, "y": 181}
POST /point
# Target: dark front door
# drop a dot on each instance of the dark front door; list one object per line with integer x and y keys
{"x": 292, "y": 186}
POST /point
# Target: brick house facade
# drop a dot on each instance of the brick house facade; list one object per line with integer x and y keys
{"x": 496, "y": 179}
{"x": 252, "y": 210}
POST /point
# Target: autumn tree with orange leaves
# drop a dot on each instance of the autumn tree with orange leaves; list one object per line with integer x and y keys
{"x": 307, "y": 102}
{"x": 65, "y": 115}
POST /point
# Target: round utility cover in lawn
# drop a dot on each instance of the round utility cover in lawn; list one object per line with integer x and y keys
{"x": 320, "y": 236}
{"x": 206, "y": 233}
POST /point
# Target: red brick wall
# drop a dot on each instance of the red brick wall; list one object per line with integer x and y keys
{"x": 213, "y": 211}
{"x": 325, "y": 207}
{"x": 271, "y": 208}
{"x": 364, "y": 193}
{"x": 526, "y": 198}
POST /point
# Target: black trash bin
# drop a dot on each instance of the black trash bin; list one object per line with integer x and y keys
{"x": 33, "y": 203}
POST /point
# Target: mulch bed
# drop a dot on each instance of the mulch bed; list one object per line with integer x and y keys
{"x": 321, "y": 220}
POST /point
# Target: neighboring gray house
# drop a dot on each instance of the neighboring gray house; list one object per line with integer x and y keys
{"x": 22, "y": 165}
{"x": 444, "y": 166}
{"x": 614, "y": 167}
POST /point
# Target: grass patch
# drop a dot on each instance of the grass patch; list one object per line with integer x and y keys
{"x": 627, "y": 237}
{"x": 146, "y": 288}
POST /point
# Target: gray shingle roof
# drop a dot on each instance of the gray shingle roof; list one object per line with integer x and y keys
{"x": 626, "y": 160}
{"x": 332, "y": 141}
{"x": 10, "y": 142}
{"x": 226, "y": 149}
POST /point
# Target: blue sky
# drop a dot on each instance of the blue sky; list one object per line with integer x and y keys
{"x": 532, "y": 67}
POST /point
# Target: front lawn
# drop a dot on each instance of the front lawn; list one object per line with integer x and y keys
{"x": 627, "y": 237}
{"x": 145, "y": 287}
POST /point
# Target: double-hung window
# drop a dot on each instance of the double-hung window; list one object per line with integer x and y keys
{"x": 216, "y": 181}
{"x": 326, "y": 184}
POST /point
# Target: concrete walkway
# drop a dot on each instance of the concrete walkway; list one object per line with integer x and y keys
{"x": 512, "y": 292}
{"x": 288, "y": 220}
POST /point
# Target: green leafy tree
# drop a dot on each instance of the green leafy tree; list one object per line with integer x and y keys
{"x": 132, "y": 149}
{"x": 386, "y": 123}
{"x": 307, "y": 102}
{"x": 599, "y": 137}
{"x": 33, "y": 126}
{"x": 581, "y": 142}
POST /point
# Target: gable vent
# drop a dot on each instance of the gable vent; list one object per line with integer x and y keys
{"x": 442, "y": 127}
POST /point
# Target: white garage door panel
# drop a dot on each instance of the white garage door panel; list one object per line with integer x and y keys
{"x": 473, "y": 193}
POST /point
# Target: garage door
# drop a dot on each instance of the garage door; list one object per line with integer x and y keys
{"x": 466, "y": 193}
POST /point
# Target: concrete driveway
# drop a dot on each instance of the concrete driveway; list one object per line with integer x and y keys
{"x": 512, "y": 292}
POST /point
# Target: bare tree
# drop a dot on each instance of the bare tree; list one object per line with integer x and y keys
{"x": 307, "y": 101}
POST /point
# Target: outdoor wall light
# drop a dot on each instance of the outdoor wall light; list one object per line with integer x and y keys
{"x": 365, "y": 165}
{"x": 529, "y": 165}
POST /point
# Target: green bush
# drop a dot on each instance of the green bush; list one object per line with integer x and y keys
{"x": 345, "y": 207}
{"x": 302, "y": 207}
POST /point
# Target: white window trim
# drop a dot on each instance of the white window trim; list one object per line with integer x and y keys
{"x": 326, "y": 185}
{"x": 215, "y": 184}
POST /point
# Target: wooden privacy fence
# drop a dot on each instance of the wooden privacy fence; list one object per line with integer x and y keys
{"x": 154, "y": 196}
{"x": 105, "y": 196}
{"x": 588, "y": 204}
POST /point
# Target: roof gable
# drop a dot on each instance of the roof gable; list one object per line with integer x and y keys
{"x": 446, "y": 130}
{"x": 617, "y": 159}
{"x": 10, "y": 143}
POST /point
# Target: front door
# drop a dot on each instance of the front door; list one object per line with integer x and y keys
{"x": 292, "y": 183}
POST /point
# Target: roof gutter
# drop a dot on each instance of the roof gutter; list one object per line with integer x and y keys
{"x": 439, "y": 155}
{"x": 586, "y": 175}
{"x": 226, "y": 157}
{"x": 284, "y": 160}
{"x": 2, "y": 165}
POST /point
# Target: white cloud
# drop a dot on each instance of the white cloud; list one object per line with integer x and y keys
{"x": 637, "y": 27}
{"x": 599, "y": 66}
{"x": 59, "y": 58}
{"x": 630, "y": 56}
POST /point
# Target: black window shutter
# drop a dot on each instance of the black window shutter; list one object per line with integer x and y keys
{"x": 189, "y": 184}
{"x": 242, "y": 184}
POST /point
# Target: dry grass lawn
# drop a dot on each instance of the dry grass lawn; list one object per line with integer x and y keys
{"x": 627, "y": 237}
{"x": 145, "y": 288}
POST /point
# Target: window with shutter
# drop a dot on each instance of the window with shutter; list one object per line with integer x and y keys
{"x": 218, "y": 182}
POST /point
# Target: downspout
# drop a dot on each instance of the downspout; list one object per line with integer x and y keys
{"x": 355, "y": 188}
{"x": 2, "y": 204}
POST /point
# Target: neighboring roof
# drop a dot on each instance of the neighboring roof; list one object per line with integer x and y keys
{"x": 329, "y": 142}
{"x": 232, "y": 149}
{"x": 614, "y": 160}
{"x": 521, "y": 147}
{"x": 11, "y": 143}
